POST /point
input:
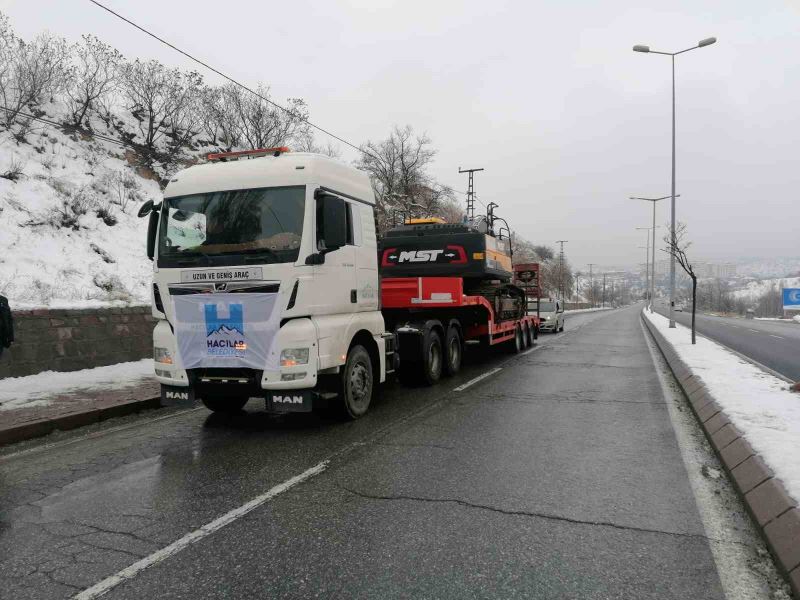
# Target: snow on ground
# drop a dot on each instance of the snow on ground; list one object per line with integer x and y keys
{"x": 91, "y": 262}
{"x": 582, "y": 310}
{"x": 755, "y": 289}
{"x": 39, "y": 389}
{"x": 757, "y": 403}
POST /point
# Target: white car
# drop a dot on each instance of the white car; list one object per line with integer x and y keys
{"x": 551, "y": 313}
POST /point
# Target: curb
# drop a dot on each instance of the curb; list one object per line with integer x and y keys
{"x": 773, "y": 510}
{"x": 42, "y": 427}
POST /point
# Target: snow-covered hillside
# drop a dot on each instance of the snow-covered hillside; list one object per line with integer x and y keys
{"x": 68, "y": 227}
{"x": 755, "y": 289}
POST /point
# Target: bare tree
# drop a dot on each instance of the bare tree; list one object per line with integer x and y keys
{"x": 398, "y": 170}
{"x": 30, "y": 73}
{"x": 676, "y": 246}
{"x": 262, "y": 125}
{"x": 161, "y": 99}
{"x": 94, "y": 76}
{"x": 307, "y": 143}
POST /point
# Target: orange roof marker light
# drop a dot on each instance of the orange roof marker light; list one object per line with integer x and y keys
{"x": 426, "y": 221}
{"x": 225, "y": 156}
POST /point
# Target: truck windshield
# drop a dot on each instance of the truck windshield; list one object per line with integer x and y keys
{"x": 217, "y": 228}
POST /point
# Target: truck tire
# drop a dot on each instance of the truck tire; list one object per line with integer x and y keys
{"x": 525, "y": 336}
{"x": 516, "y": 345}
{"x": 356, "y": 383}
{"x": 432, "y": 358}
{"x": 224, "y": 404}
{"x": 453, "y": 351}
{"x": 530, "y": 334}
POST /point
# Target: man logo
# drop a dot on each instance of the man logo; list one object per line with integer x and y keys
{"x": 419, "y": 256}
{"x": 176, "y": 395}
{"x": 288, "y": 399}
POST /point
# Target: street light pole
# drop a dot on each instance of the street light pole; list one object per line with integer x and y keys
{"x": 647, "y": 263}
{"x": 653, "y": 261}
{"x": 640, "y": 48}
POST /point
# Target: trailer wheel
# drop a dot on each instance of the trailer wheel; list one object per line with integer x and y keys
{"x": 432, "y": 357}
{"x": 356, "y": 384}
{"x": 526, "y": 341}
{"x": 224, "y": 404}
{"x": 530, "y": 334}
{"x": 453, "y": 351}
{"x": 516, "y": 345}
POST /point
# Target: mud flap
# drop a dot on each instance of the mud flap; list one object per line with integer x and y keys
{"x": 173, "y": 394}
{"x": 290, "y": 401}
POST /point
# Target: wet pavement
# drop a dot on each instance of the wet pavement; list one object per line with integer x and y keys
{"x": 559, "y": 476}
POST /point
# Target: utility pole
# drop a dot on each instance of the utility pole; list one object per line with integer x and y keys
{"x": 604, "y": 290}
{"x": 470, "y": 193}
{"x": 591, "y": 282}
{"x": 561, "y": 291}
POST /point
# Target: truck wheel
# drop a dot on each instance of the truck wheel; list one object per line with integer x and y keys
{"x": 432, "y": 356}
{"x": 224, "y": 404}
{"x": 531, "y": 335}
{"x": 453, "y": 351}
{"x": 516, "y": 345}
{"x": 356, "y": 383}
{"x": 526, "y": 337}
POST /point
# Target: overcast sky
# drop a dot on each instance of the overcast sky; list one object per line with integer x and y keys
{"x": 546, "y": 96}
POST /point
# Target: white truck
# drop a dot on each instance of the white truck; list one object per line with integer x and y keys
{"x": 266, "y": 284}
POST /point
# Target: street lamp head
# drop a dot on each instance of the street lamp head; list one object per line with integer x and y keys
{"x": 640, "y": 48}
{"x": 706, "y": 42}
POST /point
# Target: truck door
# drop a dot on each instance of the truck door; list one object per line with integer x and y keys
{"x": 335, "y": 289}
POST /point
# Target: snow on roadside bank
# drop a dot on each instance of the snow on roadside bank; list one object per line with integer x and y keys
{"x": 39, "y": 389}
{"x": 583, "y": 310}
{"x": 757, "y": 403}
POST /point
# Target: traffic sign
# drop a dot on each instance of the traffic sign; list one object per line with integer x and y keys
{"x": 791, "y": 298}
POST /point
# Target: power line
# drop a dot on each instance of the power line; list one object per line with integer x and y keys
{"x": 99, "y": 136}
{"x": 231, "y": 79}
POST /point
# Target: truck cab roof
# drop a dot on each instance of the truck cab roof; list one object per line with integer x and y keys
{"x": 286, "y": 169}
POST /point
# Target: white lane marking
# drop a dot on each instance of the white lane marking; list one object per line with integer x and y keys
{"x": 475, "y": 380}
{"x": 195, "y": 536}
{"x": 753, "y": 330}
{"x": 780, "y": 337}
{"x": 534, "y": 349}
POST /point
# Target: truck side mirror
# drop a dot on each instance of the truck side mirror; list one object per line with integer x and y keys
{"x": 152, "y": 228}
{"x": 332, "y": 231}
{"x": 331, "y": 226}
{"x": 145, "y": 209}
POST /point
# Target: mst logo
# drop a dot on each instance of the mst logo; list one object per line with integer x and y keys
{"x": 225, "y": 335}
{"x": 447, "y": 255}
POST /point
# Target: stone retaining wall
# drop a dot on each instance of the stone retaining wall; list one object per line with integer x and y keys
{"x": 69, "y": 340}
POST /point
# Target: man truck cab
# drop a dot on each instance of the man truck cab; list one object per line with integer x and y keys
{"x": 266, "y": 282}
{"x": 551, "y": 313}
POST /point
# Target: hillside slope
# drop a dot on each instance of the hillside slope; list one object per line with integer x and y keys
{"x": 69, "y": 234}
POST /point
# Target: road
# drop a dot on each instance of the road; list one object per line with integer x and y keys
{"x": 557, "y": 475}
{"x": 773, "y": 344}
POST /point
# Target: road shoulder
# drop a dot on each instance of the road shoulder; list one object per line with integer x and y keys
{"x": 774, "y": 511}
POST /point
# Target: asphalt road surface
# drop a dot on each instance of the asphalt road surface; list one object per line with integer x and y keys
{"x": 556, "y": 475}
{"x": 773, "y": 344}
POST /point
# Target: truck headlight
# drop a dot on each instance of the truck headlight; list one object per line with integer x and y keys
{"x": 162, "y": 355}
{"x": 291, "y": 357}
